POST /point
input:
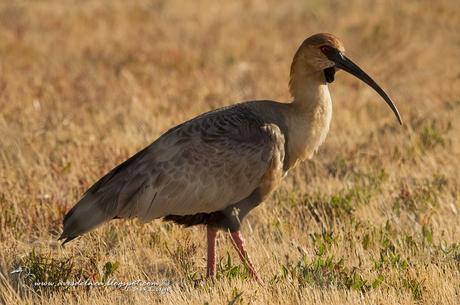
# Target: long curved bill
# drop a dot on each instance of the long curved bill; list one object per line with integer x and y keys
{"x": 344, "y": 63}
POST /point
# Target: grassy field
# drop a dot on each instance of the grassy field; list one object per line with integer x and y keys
{"x": 372, "y": 219}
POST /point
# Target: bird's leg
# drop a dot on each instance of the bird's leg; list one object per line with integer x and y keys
{"x": 212, "y": 236}
{"x": 239, "y": 244}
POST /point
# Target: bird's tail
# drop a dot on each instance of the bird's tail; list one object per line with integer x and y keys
{"x": 90, "y": 212}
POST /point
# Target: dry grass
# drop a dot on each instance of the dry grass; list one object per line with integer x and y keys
{"x": 373, "y": 219}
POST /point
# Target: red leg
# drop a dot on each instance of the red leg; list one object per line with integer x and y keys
{"x": 212, "y": 236}
{"x": 239, "y": 244}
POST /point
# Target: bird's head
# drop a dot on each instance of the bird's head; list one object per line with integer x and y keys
{"x": 325, "y": 53}
{"x": 312, "y": 52}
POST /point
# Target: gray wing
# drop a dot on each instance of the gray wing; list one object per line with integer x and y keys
{"x": 201, "y": 166}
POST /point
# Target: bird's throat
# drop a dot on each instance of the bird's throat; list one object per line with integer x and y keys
{"x": 329, "y": 74}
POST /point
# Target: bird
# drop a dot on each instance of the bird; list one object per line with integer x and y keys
{"x": 213, "y": 169}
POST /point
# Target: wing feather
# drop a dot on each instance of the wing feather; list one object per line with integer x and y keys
{"x": 201, "y": 166}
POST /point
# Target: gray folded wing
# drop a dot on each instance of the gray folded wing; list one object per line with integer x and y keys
{"x": 201, "y": 166}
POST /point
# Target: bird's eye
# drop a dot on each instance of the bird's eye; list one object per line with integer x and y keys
{"x": 325, "y": 49}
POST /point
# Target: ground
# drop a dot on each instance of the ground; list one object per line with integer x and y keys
{"x": 371, "y": 219}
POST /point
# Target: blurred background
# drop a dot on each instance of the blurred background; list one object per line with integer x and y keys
{"x": 85, "y": 84}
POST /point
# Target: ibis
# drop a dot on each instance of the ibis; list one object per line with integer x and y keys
{"x": 215, "y": 168}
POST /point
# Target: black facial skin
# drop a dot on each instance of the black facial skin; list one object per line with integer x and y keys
{"x": 344, "y": 63}
{"x": 329, "y": 74}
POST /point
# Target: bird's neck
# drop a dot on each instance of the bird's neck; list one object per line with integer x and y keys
{"x": 309, "y": 115}
{"x": 309, "y": 90}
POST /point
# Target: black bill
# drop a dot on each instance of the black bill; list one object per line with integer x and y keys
{"x": 344, "y": 63}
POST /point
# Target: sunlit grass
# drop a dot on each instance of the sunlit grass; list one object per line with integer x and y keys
{"x": 372, "y": 218}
